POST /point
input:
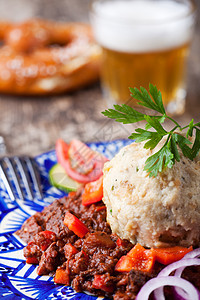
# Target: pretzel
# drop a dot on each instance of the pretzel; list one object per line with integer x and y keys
{"x": 42, "y": 57}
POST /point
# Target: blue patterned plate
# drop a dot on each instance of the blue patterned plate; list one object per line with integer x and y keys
{"x": 19, "y": 280}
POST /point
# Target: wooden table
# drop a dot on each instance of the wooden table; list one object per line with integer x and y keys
{"x": 32, "y": 125}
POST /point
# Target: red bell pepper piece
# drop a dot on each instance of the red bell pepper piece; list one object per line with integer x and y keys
{"x": 100, "y": 283}
{"x": 61, "y": 277}
{"x": 71, "y": 194}
{"x": 93, "y": 192}
{"x": 167, "y": 256}
{"x": 136, "y": 250}
{"x": 121, "y": 243}
{"x": 69, "y": 250}
{"x": 85, "y": 254}
{"x": 124, "y": 264}
{"x": 74, "y": 224}
{"x": 100, "y": 208}
{"x": 138, "y": 258}
{"x": 32, "y": 260}
{"x": 144, "y": 259}
{"x": 49, "y": 237}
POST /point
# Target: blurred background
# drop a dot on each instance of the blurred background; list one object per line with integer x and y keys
{"x": 31, "y": 125}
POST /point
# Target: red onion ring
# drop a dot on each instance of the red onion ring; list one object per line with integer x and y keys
{"x": 161, "y": 281}
{"x": 181, "y": 294}
{"x": 179, "y": 270}
{"x": 178, "y": 264}
{"x": 159, "y": 293}
{"x": 183, "y": 288}
{"x": 193, "y": 254}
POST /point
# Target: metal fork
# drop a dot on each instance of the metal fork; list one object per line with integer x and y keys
{"x": 2, "y": 146}
{"x": 20, "y": 177}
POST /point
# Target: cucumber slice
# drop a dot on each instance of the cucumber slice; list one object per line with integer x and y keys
{"x": 61, "y": 180}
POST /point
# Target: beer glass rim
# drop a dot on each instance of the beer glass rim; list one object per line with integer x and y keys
{"x": 191, "y": 12}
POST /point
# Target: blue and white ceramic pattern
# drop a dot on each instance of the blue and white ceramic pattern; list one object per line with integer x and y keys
{"x": 19, "y": 280}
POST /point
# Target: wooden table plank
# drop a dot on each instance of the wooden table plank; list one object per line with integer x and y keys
{"x": 32, "y": 125}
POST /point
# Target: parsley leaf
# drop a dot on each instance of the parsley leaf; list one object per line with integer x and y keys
{"x": 173, "y": 148}
{"x": 196, "y": 146}
{"x": 183, "y": 144}
{"x": 146, "y": 100}
{"x": 161, "y": 119}
{"x": 124, "y": 114}
{"x": 158, "y": 161}
{"x": 190, "y": 129}
{"x": 175, "y": 143}
{"x": 143, "y": 135}
{"x": 155, "y": 124}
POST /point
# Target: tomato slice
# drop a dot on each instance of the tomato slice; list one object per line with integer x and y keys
{"x": 79, "y": 161}
{"x": 81, "y": 157}
{"x": 61, "y": 151}
{"x": 93, "y": 192}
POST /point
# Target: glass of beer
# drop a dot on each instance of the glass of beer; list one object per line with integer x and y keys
{"x": 144, "y": 41}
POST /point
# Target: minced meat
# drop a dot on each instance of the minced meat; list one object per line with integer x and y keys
{"x": 95, "y": 255}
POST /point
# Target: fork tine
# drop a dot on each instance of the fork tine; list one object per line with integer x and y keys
{"x": 17, "y": 170}
{"x": 6, "y": 181}
{"x": 2, "y": 146}
{"x": 34, "y": 176}
{"x": 24, "y": 175}
{"x": 15, "y": 176}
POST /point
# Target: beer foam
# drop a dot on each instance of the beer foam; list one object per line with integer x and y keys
{"x": 142, "y": 25}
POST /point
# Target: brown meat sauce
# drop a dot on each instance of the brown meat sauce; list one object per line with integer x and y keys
{"x": 97, "y": 253}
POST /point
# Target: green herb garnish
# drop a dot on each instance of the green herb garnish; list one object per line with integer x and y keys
{"x": 169, "y": 153}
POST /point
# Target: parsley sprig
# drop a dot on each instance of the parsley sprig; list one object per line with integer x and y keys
{"x": 175, "y": 142}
